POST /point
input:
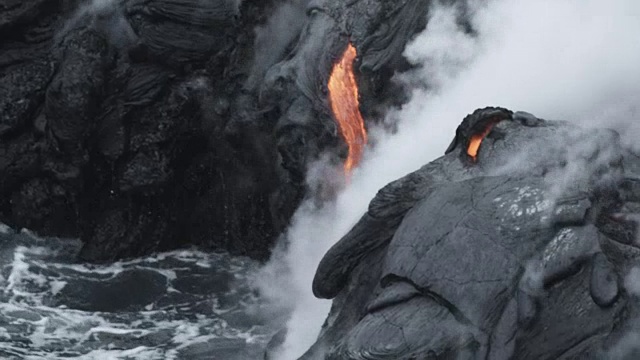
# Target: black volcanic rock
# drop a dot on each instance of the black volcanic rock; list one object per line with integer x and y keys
{"x": 22, "y": 94}
{"x": 141, "y": 125}
{"x": 517, "y": 254}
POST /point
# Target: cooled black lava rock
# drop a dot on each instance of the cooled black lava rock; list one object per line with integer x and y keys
{"x": 104, "y": 119}
{"x": 505, "y": 256}
{"x": 23, "y": 90}
{"x": 141, "y": 125}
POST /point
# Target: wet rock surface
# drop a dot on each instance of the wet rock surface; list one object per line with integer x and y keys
{"x": 513, "y": 254}
{"x": 141, "y": 126}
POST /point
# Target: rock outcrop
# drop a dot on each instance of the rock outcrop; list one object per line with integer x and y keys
{"x": 140, "y": 126}
{"x": 112, "y": 126}
{"x": 518, "y": 252}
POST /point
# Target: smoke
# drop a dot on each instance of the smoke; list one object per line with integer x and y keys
{"x": 558, "y": 59}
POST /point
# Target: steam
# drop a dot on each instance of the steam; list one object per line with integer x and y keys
{"x": 104, "y": 15}
{"x": 532, "y": 281}
{"x": 286, "y": 280}
{"x": 563, "y": 59}
{"x": 632, "y": 282}
{"x": 626, "y": 348}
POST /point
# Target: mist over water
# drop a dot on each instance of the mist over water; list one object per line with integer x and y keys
{"x": 557, "y": 59}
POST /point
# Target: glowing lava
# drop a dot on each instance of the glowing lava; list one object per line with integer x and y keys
{"x": 343, "y": 96}
{"x": 476, "y": 140}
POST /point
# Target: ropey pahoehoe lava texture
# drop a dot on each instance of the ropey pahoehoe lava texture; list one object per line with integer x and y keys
{"x": 143, "y": 125}
{"x": 112, "y": 126}
{"x": 518, "y": 251}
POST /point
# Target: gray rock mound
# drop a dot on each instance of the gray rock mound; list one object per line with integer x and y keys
{"x": 518, "y": 252}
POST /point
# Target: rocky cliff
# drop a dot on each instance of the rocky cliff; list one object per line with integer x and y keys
{"x": 147, "y": 125}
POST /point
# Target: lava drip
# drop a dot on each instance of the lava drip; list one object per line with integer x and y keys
{"x": 476, "y": 141}
{"x": 345, "y": 105}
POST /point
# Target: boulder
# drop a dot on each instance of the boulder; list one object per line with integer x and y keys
{"x": 507, "y": 253}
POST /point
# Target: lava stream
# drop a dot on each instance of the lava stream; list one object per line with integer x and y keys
{"x": 343, "y": 96}
{"x": 476, "y": 140}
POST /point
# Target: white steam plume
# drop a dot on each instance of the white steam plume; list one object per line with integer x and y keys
{"x": 632, "y": 282}
{"x": 558, "y": 59}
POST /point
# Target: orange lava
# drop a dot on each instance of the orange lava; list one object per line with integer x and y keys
{"x": 343, "y": 96}
{"x": 476, "y": 140}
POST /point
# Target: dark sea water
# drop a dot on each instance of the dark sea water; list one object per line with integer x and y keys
{"x": 176, "y": 305}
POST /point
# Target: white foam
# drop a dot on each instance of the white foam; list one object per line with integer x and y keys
{"x": 36, "y": 276}
{"x": 4, "y": 229}
{"x": 56, "y": 286}
{"x": 116, "y": 331}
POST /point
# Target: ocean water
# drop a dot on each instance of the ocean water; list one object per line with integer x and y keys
{"x": 177, "y": 305}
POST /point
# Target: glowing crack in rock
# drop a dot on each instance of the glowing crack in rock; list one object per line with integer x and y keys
{"x": 476, "y": 141}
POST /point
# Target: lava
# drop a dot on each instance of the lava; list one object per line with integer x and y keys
{"x": 476, "y": 140}
{"x": 345, "y": 105}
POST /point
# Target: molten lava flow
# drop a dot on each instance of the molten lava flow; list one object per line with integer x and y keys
{"x": 476, "y": 140}
{"x": 343, "y": 96}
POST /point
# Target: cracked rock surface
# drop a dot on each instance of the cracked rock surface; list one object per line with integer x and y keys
{"x": 497, "y": 257}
